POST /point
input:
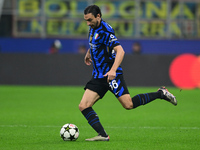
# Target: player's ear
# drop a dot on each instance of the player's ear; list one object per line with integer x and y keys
{"x": 98, "y": 16}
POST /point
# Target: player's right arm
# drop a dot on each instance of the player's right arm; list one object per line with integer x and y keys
{"x": 88, "y": 59}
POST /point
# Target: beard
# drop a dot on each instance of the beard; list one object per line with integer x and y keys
{"x": 95, "y": 25}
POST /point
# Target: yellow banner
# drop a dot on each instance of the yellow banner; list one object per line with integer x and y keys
{"x": 66, "y": 17}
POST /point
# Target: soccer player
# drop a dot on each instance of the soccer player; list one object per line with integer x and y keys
{"x": 106, "y": 55}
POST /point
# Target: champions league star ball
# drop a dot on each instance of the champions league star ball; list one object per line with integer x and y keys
{"x": 69, "y": 132}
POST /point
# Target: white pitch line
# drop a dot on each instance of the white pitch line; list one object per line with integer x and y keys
{"x": 150, "y": 127}
{"x": 114, "y": 127}
{"x": 25, "y": 126}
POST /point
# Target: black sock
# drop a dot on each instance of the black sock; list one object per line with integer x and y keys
{"x": 142, "y": 99}
{"x": 93, "y": 120}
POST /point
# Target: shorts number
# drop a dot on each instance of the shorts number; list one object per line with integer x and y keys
{"x": 113, "y": 84}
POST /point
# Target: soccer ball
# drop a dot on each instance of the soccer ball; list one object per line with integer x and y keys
{"x": 69, "y": 132}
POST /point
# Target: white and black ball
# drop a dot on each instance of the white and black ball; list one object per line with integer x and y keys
{"x": 69, "y": 132}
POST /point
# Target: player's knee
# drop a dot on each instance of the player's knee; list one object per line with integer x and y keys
{"x": 84, "y": 105}
{"x": 81, "y": 106}
{"x": 128, "y": 106}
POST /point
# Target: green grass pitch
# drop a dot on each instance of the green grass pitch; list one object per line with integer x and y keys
{"x": 31, "y": 118}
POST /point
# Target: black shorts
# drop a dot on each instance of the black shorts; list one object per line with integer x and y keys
{"x": 101, "y": 86}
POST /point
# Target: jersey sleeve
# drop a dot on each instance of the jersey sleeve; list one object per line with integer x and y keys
{"x": 110, "y": 40}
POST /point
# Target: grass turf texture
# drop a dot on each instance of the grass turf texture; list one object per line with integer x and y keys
{"x": 31, "y": 118}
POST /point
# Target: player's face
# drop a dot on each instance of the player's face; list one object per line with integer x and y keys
{"x": 91, "y": 20}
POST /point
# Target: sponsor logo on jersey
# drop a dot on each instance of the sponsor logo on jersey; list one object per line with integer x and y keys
{"x": 113, "y": 38}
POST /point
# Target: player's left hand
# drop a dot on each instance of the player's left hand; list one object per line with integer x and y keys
{"x": 110, "y": 75}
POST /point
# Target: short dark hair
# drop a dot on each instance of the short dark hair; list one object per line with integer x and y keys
{"x": 94, "y": 9}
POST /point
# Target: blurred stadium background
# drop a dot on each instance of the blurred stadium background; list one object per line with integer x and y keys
{"x": 165, "y": 30}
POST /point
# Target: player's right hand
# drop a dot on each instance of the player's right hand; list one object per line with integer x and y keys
{"x": 88, "y": 59}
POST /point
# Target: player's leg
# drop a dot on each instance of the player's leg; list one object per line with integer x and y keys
{"x": 85, "y": 106}
{"x": 142, "y": 99}
{"x": 119, "y": 88}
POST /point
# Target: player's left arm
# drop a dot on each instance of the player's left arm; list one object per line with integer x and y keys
{"x": 118, "y": 60}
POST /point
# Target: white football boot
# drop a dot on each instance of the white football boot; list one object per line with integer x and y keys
{"x": 168, "y": 96}
{"x": 99, "y": 138}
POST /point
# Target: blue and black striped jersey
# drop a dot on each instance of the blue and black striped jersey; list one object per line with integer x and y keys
{"x": 102, "y": 40}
